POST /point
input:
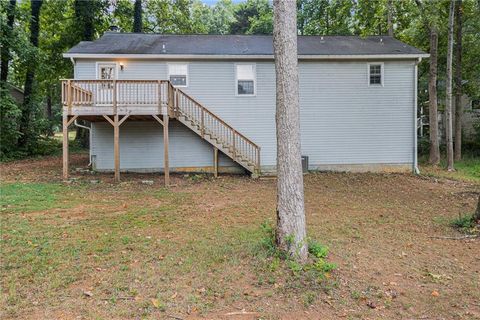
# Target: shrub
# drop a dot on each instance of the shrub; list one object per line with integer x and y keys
{"x": 464, "y": 223}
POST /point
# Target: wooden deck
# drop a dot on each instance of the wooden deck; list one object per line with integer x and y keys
{"x": 117, "y": 101}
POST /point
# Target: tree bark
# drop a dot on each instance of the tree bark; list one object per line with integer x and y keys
{"x": 432, "y": 94}
{"x": 389, "y": 17}
{"x": 290, "y": 232}
{"x": 448, "y": 99}
{"x": 137, "y": 16}
{"x": 476, "y": 215}
{"x": 49, "y": 114}
{"x": 25, "y": 125}
{"x": 458, "y": 83}
{"x": 5, "y": 51}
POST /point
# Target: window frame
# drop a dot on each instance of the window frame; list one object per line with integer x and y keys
{"x": 382, "y": 74}
{"x": 99, "y": 64}
{"x": 187, "y": 76}
{"x": 254, "y": 80}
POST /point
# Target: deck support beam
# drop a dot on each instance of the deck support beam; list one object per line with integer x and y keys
{"x": 116, "y": 123}
{"x": 116, "y": 147}
{"x": 166, "y": 169}
{"x": 215, "y": 162}
{"x": 65, "y": 146}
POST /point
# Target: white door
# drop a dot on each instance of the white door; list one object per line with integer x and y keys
{"x": 105, "y": 71}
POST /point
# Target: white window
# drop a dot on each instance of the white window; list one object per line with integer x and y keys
{"x": 245, "y": 75}
{"x": 375, "y": 74}
{"x": 178, "y": 74}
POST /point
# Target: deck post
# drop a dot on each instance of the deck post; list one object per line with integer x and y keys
{"x": 170, "y": 104}
{"x": 159, "y": 96}
{"x": 65, "y": 145}
{"x": 69, "y": 95}
{"x": 215, "y": 162}
{"x": 234, "y": 147}
{"x": 116, "y": 147}
{"x": 166, "y": 169}
{"x": 114, "y": 97}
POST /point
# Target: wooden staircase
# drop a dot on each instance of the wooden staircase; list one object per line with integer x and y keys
{"x": 216, "y": 131}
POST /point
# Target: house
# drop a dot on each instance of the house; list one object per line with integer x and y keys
{"x": 207, "y": 102}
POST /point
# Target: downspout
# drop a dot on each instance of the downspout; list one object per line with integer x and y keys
{"x": 89, "y": 140}
{"x": 415, "y": 168}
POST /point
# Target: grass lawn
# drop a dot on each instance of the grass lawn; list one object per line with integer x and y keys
{"x": 468, "y": 169}
{"x": 200, "y": 249}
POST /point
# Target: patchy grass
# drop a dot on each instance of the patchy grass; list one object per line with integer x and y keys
{"x": 468, "y": 169}
{"x": 197, "y": 249}
{"x": 466, "y": 224}
{"x": 27, "y": 197}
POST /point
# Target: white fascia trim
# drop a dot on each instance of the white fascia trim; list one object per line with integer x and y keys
{"x": 241, "y": 57}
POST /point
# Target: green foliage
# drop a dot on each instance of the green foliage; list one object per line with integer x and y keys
{"x": 253, "y": 17}
{"x": 465, "y": 223}
{"x": 9, "y": 117}
{"x": 317, "y": 250}
{"x": 317, "y": 255}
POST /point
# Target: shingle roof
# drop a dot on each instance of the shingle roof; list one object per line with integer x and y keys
{"x": 243, "y": 45}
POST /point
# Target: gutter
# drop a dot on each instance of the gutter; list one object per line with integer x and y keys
{"x": 243, "y": 56}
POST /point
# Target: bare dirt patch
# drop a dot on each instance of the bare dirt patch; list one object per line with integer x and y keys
{"x": 149, "y": 252}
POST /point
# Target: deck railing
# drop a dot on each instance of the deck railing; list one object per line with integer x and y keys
{"x": 115, "y": 92}
{"x": 161, "y": 93}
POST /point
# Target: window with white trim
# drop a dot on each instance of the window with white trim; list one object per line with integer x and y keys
{"x": 245, "y": 74}
{"x": 178, "y": 74}
{"x": 375, "y": 74}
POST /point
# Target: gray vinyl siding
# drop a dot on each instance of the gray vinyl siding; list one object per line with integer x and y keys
{"x": 343, "y": 119}
{"x": 141, "y": 147}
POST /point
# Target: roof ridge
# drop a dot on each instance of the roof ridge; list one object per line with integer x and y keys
{"x": 241, "y": 35}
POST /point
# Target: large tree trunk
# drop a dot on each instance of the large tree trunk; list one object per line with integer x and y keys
{"x": 84, "y": 17}
{"x": 25, "y": 125}
{"x": 448, "y": 99}
{"x": 389, "y": 17}
{"x": 5, "y": 51}
{"x": 458, "y": 83}
{"x": 290, "y": 233}
{"x": 432, "y": 95}
{"x": 137, "y": 16}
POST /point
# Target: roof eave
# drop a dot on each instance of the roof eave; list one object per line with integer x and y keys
{"x": 242, "y": 57}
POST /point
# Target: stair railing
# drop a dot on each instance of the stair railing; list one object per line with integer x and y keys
{"x": 240, "y": 148}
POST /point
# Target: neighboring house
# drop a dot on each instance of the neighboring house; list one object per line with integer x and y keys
{"x": 358, "y": 100}
{"x": 16, "y": 93}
